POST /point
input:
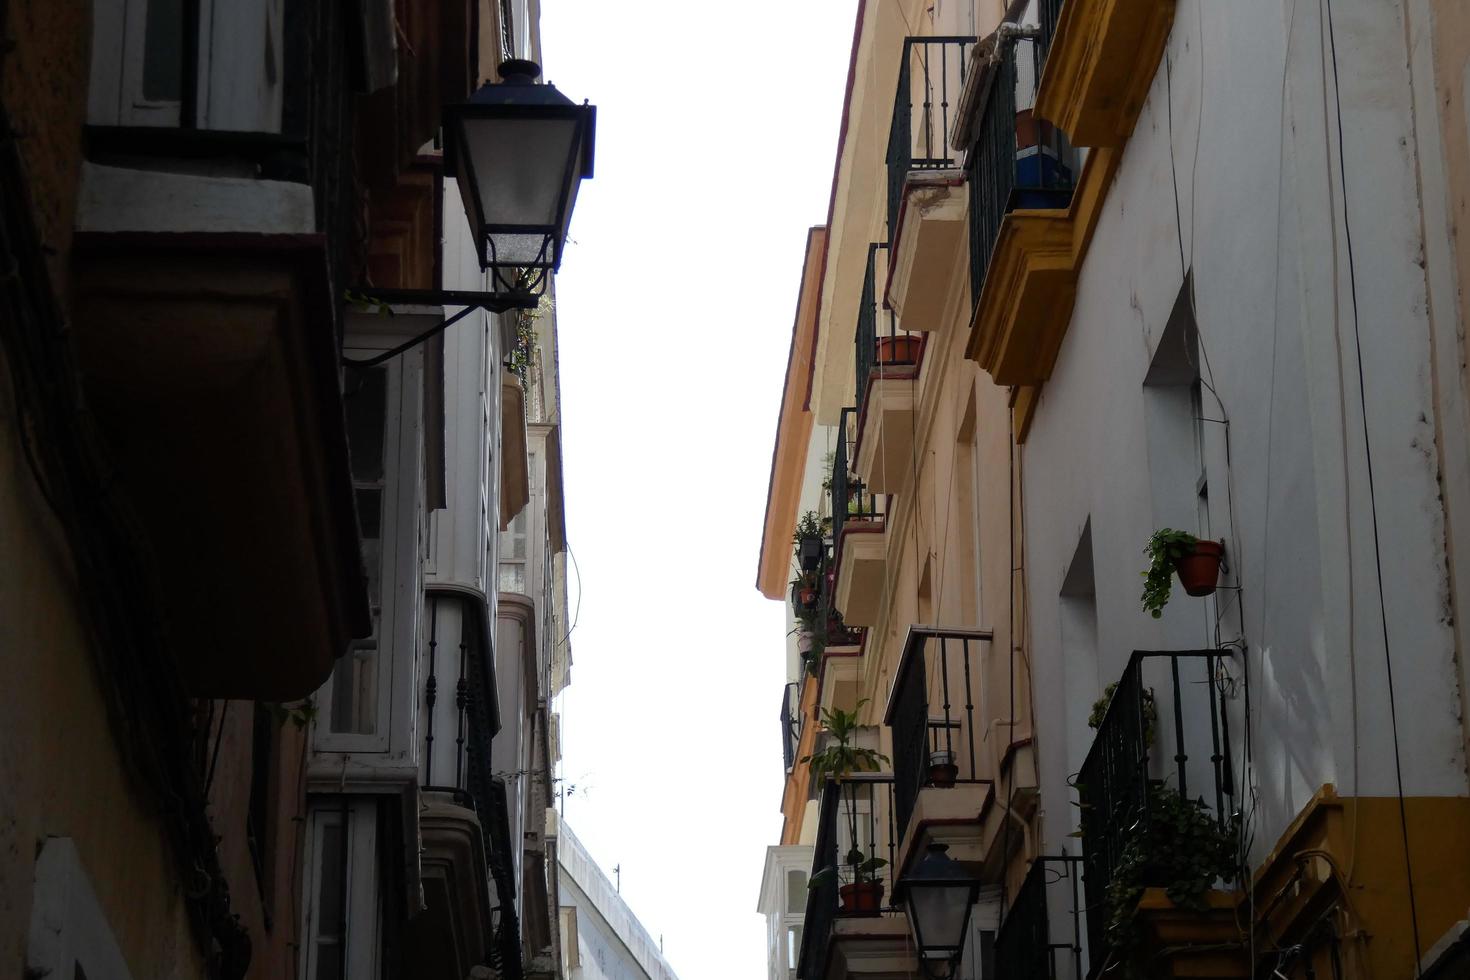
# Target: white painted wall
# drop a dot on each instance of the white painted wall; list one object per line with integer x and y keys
{"x": 1253, "y": 147}
{"x": 610, "y": 942}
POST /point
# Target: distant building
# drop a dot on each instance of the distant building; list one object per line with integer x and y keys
{"x": 601, "y": 938}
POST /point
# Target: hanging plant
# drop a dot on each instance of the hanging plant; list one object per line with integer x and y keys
{"x": 1169, "y": 551}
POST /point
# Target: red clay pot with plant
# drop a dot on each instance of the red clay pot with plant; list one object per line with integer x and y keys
{"x": 898, "y": 350}
{"x": 807, "y": 596}
{"x": 1199, "y": 572}
{"x": 861, "y": 896}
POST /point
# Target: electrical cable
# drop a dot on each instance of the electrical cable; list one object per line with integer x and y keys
{"x": 388, "y": 355}
{"x": 219, "y": 738}
{"x": 1372, "y": 492}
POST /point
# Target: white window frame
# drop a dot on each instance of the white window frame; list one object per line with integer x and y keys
{"x": 69, "y": 931}
{"x": 397, "y": 627}
{"x": 119, "y": 36}
{"x": 364, "y": 907}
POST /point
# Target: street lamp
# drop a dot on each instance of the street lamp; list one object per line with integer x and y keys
{"x": 518, "y": 151}
{"x": 938, "y": 896}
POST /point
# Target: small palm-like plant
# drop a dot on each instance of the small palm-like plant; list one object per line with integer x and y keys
{"x": 840, "y": 758}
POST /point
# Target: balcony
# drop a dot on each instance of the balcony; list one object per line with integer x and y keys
{"x": 1130, "y": 782}
{"x": 944, "y": 762}
{"x": 859, "y": 538}
{"x": 887, "y": 360}
{"x": 931, "y": 77}
{"x": 458, "y": 717}
{"x": 1022, "y": 275}
{"x": 1100, "y": 57}
{"x": 869, "y": 937}
{"x": 1042, "y": 937}
{"x": 926, "y": 185}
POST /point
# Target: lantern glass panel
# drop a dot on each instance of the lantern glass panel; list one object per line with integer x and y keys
{"x": 520, "y": 165}
{"x": 938, "y": 915}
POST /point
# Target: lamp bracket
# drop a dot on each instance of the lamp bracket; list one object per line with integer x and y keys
{"x": 497, "y": 302}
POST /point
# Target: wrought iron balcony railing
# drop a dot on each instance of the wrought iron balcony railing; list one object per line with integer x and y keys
{"x": 931, "y": 77}
{"x": 456, "y": 754}
{"x": 855, "y": 821}
{"x": 459, "y": 711}
{"x": 1162, "y": 697}
{"x": 1042, "y": 936}
{"x": 1016, "y": 160}
{"x": 879, "y": 343}
{"x": 1049, "y": 13}
{"x": 790, "y": 723}
{"x": 851, "y": 501}
{"x": 932, "y": 713}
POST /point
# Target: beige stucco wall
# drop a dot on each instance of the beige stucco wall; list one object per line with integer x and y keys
{"x": 59, "y": 765}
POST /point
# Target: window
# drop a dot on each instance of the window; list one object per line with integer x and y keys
{"x": 354, "y": 681}
{"x": 69, "y": 935}
{"x": 513, "y": 555}
{"x": 795, "y": 890}
{"x": 261, "y": 804}
{"x": 142, "y": 49}
{"x": 342, "y": 908}
{"x": 383, "y": 407}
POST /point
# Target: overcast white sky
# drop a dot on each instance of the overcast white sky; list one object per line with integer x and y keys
{"x": 716, "y": 134}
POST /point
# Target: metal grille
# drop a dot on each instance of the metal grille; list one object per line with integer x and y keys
{"x": 1005, "y": 174}
{"x": 790, "y": 723}
{"x": 933, "y": 710}
{"x": 821, "y": 898}
{"x": 1115, "y": 780}
{"x": 931, "y": 77}
{"x": 856, "y": 814}
{"x": 1050, "y": 11}
{"x": 878, "y": 342}
{"x": 1034, "y": 944}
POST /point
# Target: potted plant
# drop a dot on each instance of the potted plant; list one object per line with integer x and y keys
{"x": 942, "y": 769}
{"x": 1178, "y": 847}
{"x": 1196, "y": 562}
{"x": 810, "y": 549}
{"x": 837, "y": 761}
{"x": 898, "y": 349}
{"x": 804, "y": 592}
{"x": 864, "y": 893}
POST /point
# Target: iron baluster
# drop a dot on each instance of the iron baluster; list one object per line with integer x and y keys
{"x": 430, "y": 686}
{"x": 970, "y": 708}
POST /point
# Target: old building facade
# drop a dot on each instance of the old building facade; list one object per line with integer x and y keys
{"x": 1094, "y": 272}
{"x": 282, "y": 571}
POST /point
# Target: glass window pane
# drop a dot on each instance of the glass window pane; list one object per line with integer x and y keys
{"x": 355, "y": 691}
{"x": 329, "y": 883}
{"x": 366, "y": 400}
{"x": 795, "y": 890}
{"x": 163, "y": 51}
{"x": 513, "y": 577}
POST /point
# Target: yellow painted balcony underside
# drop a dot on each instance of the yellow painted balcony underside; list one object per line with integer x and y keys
{"x": 1100, "y": 66}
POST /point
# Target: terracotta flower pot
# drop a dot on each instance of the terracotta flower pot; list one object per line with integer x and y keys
{"x": 898, "y": 350}
{"x": 862, "y": 896}
{"x": 807, "y": 597}
{"x": 1200, "y": 570}
{"x": 943, "y": 774}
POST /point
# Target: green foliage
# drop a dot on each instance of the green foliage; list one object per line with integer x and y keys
{"x": 299, "y": 713}
{"x": 1164, "y": 550}
{"x": 1150, "y": 711}
{"x": 519, "y": 360}
{"x": 863, "y": 869}
{"x": 840, "y": 758}
{"x": 809, "y": 526}
{"x": 1178, "y": 847}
